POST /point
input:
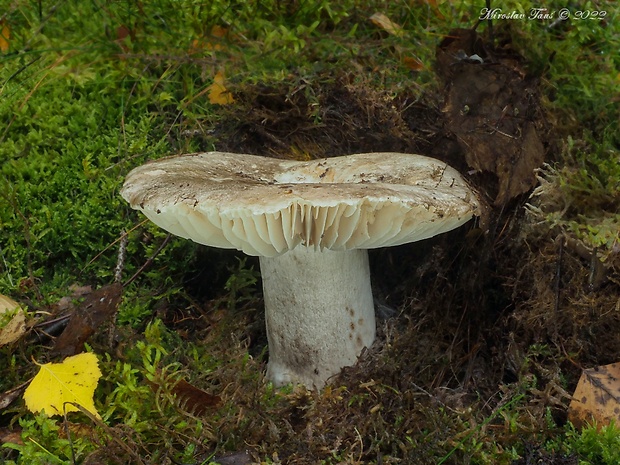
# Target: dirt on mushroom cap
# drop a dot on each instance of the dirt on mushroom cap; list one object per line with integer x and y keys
{"x": 265, "y": 206}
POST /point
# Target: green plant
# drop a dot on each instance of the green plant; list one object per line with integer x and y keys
{"x": 478, "y": 449}
{"x": 240, "y": 284}
{"x": 45, "y": 442}
{"x": 140, "y": 395}
{"x": 583, "y": 196}
{"x": 594, "y": 446}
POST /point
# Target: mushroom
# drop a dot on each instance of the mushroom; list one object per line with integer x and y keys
{"x": 311, "y": 224}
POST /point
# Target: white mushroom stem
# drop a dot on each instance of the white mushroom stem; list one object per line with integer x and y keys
{"x": 319, "y": 313}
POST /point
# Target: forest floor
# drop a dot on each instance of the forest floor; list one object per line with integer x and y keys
{"x": 483, "y": 332}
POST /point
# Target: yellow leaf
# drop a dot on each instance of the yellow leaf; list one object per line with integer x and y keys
{"x": 218, "y": 94}
{"x": 7, "y": 304}
{"x": 12, "y": 321}
{"x": 385, "y": 23}
{"x": 5, "y": 35}
{"x": 73, "y": 380}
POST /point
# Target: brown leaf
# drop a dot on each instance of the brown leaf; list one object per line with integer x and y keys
{"x": 219, "y": 31}
{"x": 194, "y": 400}
{"x": 188, "y": 397}
{"x": 10, "y": 435}
{"x": 596, "y": 397}
{"x": 99, "y": 307}
{"x": 124, "y": 35}
{"x": 385, "y": 23}
{"x": 9, "y": 396}
{"x": 413, "y": 63}
{"x": 77, "y": 291}
{"x": 5, "y": 35}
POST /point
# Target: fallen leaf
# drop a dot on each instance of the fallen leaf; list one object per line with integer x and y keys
{"x": 413, "y": 63}
{"x": 6, "y": 303}
{"x": 219, "y": 31}
{"x": 187, "y": 396}
{"x": 77, "y": 291}
{"x": 11, "y": 435}
{"x": 192, "y": 399}
{"x": 218, "y": 94}
{"x": 124, "y": 36}
{"x": 99, "y": 307}
{"x": 597, "y": 397}
{"x": 77, "y": 430}
{"x": 58, "y": 385}
{"x": 235, "y": 458}
{"x": 385, "y": 23}
{"x": 5, "y": 35}
{"x": 12, "y": 321}
{"x": 7, "y": 398}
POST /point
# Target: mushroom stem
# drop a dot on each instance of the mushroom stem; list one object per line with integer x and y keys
{"x": 319, "y": 313}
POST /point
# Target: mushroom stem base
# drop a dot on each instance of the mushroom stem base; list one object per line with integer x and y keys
{"x": 319, "y": 313}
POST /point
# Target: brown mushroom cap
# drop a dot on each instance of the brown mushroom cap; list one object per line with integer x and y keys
{"x": 266, "y": 206}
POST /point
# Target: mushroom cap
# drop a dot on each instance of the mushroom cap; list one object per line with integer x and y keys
{"x": 266, "y": 207}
